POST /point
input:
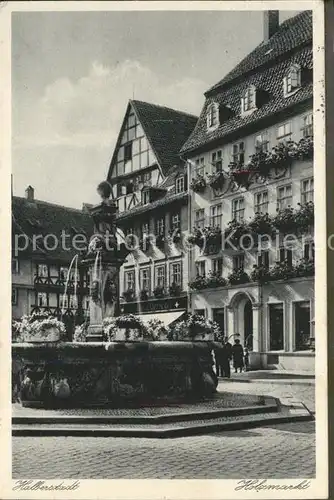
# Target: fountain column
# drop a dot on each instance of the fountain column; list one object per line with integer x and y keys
{"x": 104, "y": 259}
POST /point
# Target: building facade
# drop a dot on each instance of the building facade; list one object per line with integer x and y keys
{"x": 251, "y": 174}
{"x": 150, "y": 185}
{"x": 41, "y": 257}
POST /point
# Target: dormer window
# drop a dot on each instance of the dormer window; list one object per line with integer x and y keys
{"x": 248, "y": 100}
{"x": 179, "y": 184}
{"x": 213, "y": 116}
{"x": 292, "y": 81}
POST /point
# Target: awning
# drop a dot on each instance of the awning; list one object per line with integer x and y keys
{"x": 166, "y": 317}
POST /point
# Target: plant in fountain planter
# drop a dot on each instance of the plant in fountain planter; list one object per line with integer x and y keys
{"x": 238, "y": 277}
{"x": 216, "y": 180}
{"x": 129, "y": 295}
{"x": 194, "y": 327}
{"x": 155, "y": 330}
{"x": 42, "y": 328}
{"x": 109, "y": 329}
{"x": 198, "y": 184}
{"x": 159, "y": 292}
{"x": 17, "y": 331}
{"x": 132, "y": 325}
{"x": 80, "y": 333}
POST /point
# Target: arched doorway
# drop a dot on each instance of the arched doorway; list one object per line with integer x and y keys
{"x": 248, "y": 324}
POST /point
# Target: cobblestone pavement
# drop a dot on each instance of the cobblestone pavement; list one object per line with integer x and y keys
{"x": 280, "y": 451}
{"x": 302, "y": 393}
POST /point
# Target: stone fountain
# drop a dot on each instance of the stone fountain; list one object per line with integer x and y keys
{"x": 118, "y": 373}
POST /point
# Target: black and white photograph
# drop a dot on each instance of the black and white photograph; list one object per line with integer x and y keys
{"x": 167, "y": 181}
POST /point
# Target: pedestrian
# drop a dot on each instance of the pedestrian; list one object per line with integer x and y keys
{"x": 218, "y": 357}
{"x": 246, "y": 358}
{"x": 238, "y": 356}
{"x": 226, "y": 356}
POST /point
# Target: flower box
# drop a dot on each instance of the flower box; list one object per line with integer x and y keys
{"x": 159, "y": 292}
{"x": 238, "y": 277}
{"x": 129, "y": 295}
{"x": 51, "y": 334}
{"x": 216, "y": 180}
{"x": 174, "y": 290}
{"x": 198, "y": 184}
{"x": 240, "y": 174}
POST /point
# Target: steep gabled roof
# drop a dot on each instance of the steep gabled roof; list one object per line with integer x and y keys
{"x": 266, "y": 74}
{"x": 292, "y": 33}
{"x": 41, "y": 218}
{"x": 166, "y": 129}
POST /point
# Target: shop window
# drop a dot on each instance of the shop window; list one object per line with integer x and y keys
{"x": 302, "y": 325}
{"x": 276, "y": 327}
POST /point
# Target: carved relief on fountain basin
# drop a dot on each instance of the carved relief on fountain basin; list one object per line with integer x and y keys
{"x": 114, "y": 374}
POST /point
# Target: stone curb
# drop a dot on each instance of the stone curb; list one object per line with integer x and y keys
{"x": 150, "y": 419}
{"x": 286, "y": 381}
{"x": 299, "y": 415}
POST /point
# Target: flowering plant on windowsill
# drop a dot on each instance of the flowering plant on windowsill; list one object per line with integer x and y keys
{"x": 129, "y": 295}
{"x": 304, "y": 216}
{"x": 144, "y": 294}
{"x": 159, "y": 292}
{"x": 216, "y": 180}
{"x": 240, "y": 174}
{"x": 198, "y": 283}
{"x": 238, "y": 277}
{"x": 196, "y": 238}
{"x": 198, "y": 184}
{"x": 235, "y": 230}
{"x": 174, "y": 235}
{"x": 215, "y": 280}
{"x": 261, "y": 224}
{"x": 260, "y": 274}
{"x": 282, "y": 270}
{"x": 285, "y": 220}
{"x": 305, "y": 267}
{"x": 174, "y": 289}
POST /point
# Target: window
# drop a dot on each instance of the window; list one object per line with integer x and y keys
{"x": 145, "y": 196}
{"x": 42, "y": 270}
{"x": 307, "y": 190}
{"x": 302, "y": 325}
{"x": 284, "y": 197}
{"x": 129, "y": 280}
{"x": 248, "y": 99}
{"x": 200, "y": 218}
{"x": 216, "y": 215}
{"x": 307, "y": 125}
{"x": 14, "y": 296}
{"x": 284, "y": 132}
{"x": 73, "y": 303}
{"x": 160, "y": 225}
{"x": 263, "y": 259}
{"x": 15, "y": 266}
{"x": 175, "y": 221}
{"x": 285, "y": 255}
{"x": 238, "y": 153}
{"x": 179, "y": 184}
{"x": 308, "y": 251}
{"x": 238, "y": 209}
{"x": 217, "y": 266}
{"x": 262, "y": 142}
{"x": 212, "y": 116}
{"x": 292, "y": 80}
{"x": 63, "y": 271}
{"x": 128, "y": 152}
{"x": 42, "y": 299}
{"x": 175, "y": 273}
{"x": 200, "y": 268}
{"x": 238, "y": 262}
{"x": 200, "y": 166}
{"x": 145, "y": 279}
{"x": 160, "y": 276}
{"x": 276, "y": 327}
{"x": 129, "y": 187}
{"x": 217, "y": 162}
{"x": 261, "y": 202}
{"x": 147, "y": 177}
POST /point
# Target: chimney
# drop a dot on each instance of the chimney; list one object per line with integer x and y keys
{"x": 270, "y": 23}
{"x": 30, "y": 193}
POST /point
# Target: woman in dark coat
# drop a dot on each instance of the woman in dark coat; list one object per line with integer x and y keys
{"x": 238, "y": 356}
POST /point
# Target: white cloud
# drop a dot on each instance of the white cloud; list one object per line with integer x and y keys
{"x": 88, "y": 112}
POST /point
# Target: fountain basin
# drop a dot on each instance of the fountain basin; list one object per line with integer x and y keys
{"x": 116, "y": 374}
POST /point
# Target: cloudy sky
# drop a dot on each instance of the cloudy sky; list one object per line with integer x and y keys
{"x": 73, "y": 73}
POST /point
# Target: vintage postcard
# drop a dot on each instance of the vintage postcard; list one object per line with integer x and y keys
{"x": 163, "y": 210}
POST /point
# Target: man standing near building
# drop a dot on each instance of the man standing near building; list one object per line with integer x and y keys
{"x": 226, "y": 355}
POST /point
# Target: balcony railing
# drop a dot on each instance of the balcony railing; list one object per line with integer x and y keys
{"x": 56, "y": 281}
